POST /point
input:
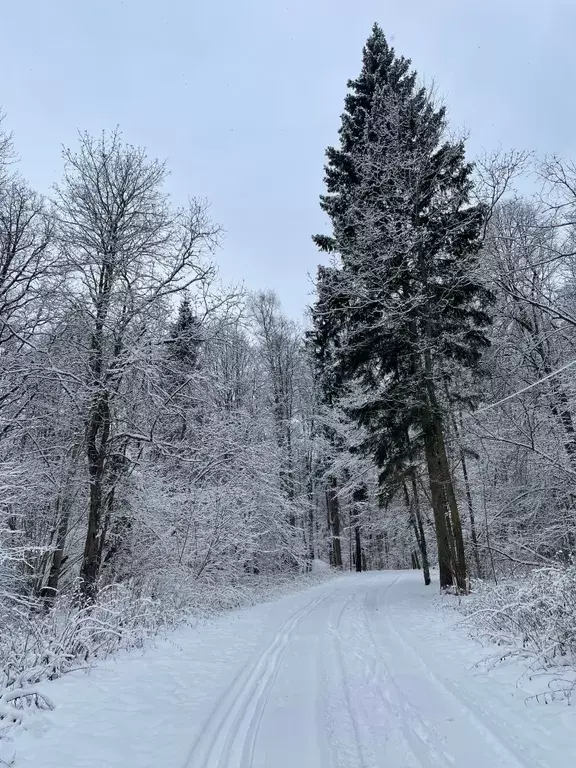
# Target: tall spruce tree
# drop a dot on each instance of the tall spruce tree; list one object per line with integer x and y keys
{"x": 403, "y": 296}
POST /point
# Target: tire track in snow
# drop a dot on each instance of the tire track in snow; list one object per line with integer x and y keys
{"x": 231, "y": 729}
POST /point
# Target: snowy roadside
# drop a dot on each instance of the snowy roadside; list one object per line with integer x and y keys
{"x": 212, "y": 613}
{"x": 529, "y": 623}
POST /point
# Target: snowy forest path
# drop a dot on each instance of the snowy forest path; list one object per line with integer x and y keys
{"x": 363, "y": 671}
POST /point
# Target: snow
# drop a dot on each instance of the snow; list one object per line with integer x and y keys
{"x": 363, "y": 671}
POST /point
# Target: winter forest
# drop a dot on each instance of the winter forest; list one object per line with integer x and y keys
{"x": 172, "y": 444}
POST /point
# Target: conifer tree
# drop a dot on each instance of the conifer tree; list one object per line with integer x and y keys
{"x": 404, "y": 294}
{"x": 186, "y": 335}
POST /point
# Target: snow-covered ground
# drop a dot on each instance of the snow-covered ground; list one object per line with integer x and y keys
{"x": 363, "y": 671}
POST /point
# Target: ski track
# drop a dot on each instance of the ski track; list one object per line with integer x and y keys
{"x": 419, "y": 748}
{"x": 229, "y": 735}
{"x": 344, "y": 680}
{"x": 360, "y": 672}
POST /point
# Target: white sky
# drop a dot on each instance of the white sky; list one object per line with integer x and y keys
{"x": 242, "y": 96}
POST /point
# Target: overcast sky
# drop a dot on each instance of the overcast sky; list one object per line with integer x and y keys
{"x": 242, "y": 96}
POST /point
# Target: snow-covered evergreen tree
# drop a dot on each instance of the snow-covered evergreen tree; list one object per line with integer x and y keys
{"x": 404, "y": 293}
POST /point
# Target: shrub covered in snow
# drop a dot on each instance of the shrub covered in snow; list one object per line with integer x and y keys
{"x": 535, "y": 618}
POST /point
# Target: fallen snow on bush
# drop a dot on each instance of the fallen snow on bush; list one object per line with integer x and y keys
{"x": 534, "y": 619}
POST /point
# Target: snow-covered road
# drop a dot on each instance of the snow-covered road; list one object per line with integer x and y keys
{"x": 361, "y": 672}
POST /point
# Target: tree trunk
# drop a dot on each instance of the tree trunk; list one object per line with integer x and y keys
{"x": 97, "y": 432}
{"x": 50, "y": 589}
{"x": 97, "y": 436}
{"x": 560, "y": 407}
{"x": 333, "y": 509}
{"x": 468, "y": 491}
{"x": 350, "y": 551}
{"x": 289, "y": 473}
{"x": 380, "y": 550}
{"x": 471, "y": 515}
{"x": 443, "y": 496}
{"x": 310, "y": 543}
{"x": 440, "y": 511}
{"x": 559, "y": 404}
{"x": 460, "y": 561}
{"x": 311, "y": 515}
{"x": 357, "y": 549}
{"x": 358, "y": 496}
{"x": 418, "y": 525}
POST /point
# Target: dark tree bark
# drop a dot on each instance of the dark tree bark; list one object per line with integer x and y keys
{"x": 64, "y": 509}
{"x": 440, "y": 511}
{"x": 126, "y": 253}
{"x": 333, "y": 509}
{"x": 443, "y": 496}
{"x": 413, "y": 505}
{"x": 357, "y": 549}
{"x": 358, "y": 497}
